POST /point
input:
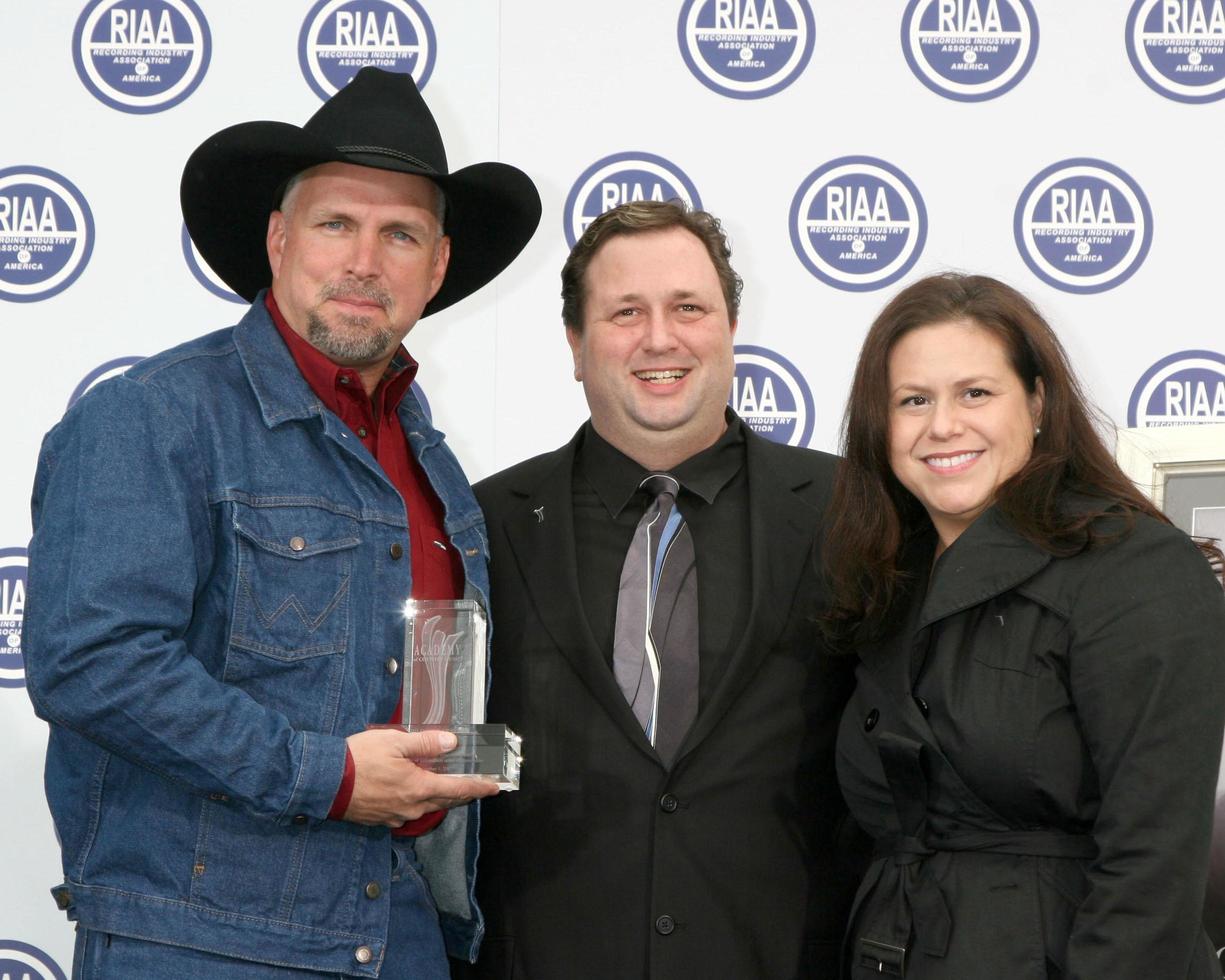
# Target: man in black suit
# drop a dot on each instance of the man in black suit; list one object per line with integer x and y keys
{"x": 722, "y": 858}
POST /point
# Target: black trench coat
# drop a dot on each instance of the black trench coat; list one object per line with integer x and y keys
{"x": 1035, "y": 747}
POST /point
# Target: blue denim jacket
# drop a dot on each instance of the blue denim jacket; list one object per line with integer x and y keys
{"x": 212, "y": 602}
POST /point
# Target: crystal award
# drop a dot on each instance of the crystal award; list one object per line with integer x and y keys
{"x": 444, "y": 688}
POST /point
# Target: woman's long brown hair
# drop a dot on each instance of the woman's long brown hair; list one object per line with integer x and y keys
{"x": 873, "y": 514}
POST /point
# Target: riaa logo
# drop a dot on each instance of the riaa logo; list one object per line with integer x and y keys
{"x": 12, "y": 612}
{"x": 110, "y": 369}
{"x": 340, "y": 37}
{"x": 1178, "y": 47}
{"x": 1083, "y": 225}
{"x": 771, "y": 396}
{"x": 1187, "y": 388}
{"x": 969, "y": 50}
{"x": 46, "y": 233}
{"x": 141, "y": 55}
{"x": 858, "y": 223}
{"x": 619, "y": 179}
{"x": 205, "y": 276}
{"x": 745, "y": 49}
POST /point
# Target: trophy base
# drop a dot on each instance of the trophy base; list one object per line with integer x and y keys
{"x": 489, "y": 751}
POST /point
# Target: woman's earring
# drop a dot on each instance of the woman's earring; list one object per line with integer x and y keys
{"x": 1037, "y": 431}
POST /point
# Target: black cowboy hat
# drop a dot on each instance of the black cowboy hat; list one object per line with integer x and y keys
{"x": 234, "y": 180}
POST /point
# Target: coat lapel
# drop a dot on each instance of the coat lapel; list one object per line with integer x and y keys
{"x": 782, "y": 530}
{"x": 540, "y": 530}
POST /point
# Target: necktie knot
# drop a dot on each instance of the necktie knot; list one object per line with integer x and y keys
{"x": 661, "y": 483}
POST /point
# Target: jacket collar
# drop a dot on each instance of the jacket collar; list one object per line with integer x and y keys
{"x": 283, "y": 394}
{"x": 989, "y": 558}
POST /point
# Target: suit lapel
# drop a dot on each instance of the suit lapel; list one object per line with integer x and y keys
{"x": 540, "y": 530}
{"x": 782, "y": 529}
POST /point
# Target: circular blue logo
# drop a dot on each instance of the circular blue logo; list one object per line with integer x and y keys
{"x": 771, "y": 396}
{"x": 1178, "y": 47}
{"x": 46, "y": 233}
{"x": 141, "y": 55}
{"x": 340, "y": 37}
{"x": 12, "y": 612}
{"x": 969, "y": 50}
{"x": 205, "y": 276}
{"x": 619, "y": 179}
{"x": 1187, "y": 388}
{"x": 111, "y": 369}
{"x": 1083, "y": 225}
{"x": 858, "y": 223}
{"x": 746, "y": 49}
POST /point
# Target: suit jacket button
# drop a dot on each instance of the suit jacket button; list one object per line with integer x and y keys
{"x": 665, "y": 925}
{"x": 922, "y": 706}
{"x": 668, "y": 803}
{"x": 870, "y": 722}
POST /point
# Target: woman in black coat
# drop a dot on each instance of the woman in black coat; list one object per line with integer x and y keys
{"x": 1036, "y": 731}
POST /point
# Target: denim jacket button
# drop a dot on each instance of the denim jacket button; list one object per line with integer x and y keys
{"x": 396, "y": 551}
{"x": 300, "y": 819}
{"x": 363, "y": 954}
{"x": 392, "y": 665}
{"x": 297, "y": 543}
{"x": 373, "y": 890}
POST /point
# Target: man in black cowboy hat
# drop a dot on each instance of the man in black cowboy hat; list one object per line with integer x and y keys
{"x": 223, "y": 538}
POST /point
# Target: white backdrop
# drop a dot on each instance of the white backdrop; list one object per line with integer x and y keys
{"x": 941, "y": 124}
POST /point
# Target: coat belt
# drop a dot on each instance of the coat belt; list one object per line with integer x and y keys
{"x": 921, "y": 909}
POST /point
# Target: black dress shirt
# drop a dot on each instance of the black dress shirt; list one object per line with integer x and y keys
{"x": 714, "y": 498}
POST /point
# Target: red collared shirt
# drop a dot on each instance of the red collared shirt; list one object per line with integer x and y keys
{"x": 437, "y": 571}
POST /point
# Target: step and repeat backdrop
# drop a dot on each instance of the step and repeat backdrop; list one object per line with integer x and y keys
{"x": 1073, "y": 150}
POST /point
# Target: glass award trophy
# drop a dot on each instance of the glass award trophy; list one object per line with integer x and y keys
{"x": 444, "y": 688}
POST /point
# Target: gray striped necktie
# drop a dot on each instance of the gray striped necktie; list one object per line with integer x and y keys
{"x": 655, "y": 643}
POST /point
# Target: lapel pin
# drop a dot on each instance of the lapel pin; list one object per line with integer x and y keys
{"x": 539, "y": 512}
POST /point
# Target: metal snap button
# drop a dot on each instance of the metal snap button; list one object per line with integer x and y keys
{"x": 373, "y": 890}
{"x": 392, "y": 665}
{"x": 363, "y": 954}
{"x": 297, "y": 543}
{"x": 396, "y": 551}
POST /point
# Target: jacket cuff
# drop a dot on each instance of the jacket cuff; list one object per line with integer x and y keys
{"x": 345, "y": 793}
{"x": 321, "y": 770}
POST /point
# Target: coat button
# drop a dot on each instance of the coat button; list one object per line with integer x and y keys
{"x": 922, "y": 706}
{"x": 665, "y": 925}
{"x": 396, "y": 551}
{"x": 363, "y": 954}
{"x": 373, "y": 890}
{"x": 297, "y": 543}
{"x": 870, "y": 722}
{"x": 392, "y": 665}
{"x": 668, "y": 803}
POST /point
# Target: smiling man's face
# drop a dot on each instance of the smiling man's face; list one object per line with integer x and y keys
{"x": 655, "y": 352}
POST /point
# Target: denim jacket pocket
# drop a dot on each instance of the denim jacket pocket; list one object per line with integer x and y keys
{"x": 295, "y": 567}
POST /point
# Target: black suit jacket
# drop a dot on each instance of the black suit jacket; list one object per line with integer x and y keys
{"x": 606, "y": 865}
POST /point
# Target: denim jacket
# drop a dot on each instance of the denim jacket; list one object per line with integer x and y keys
{"x": 213, "y": 602}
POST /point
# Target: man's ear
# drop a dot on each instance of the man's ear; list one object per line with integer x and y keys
{"x": 575, "y": 340}
{"x": 275, "y": 241}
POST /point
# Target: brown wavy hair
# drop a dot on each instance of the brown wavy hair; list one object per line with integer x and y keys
{"x": 873, "y": 515}
{"x": 636, "y": 218}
